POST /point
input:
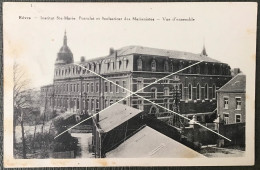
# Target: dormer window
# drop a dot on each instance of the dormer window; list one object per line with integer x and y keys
{"x": 126, "y": 63}
{"x": 180, "y": 65}
{"x": 220, "y": 69}
{"x": 108, "y": 65}
{"x": 120, "y": 63}
{"x": 166, "y": 66}
{"x": 139, "y": 64}
{"x": 171, "y": 67}
{"x": 213, "y": 69}
{"x": 153, "y": 65}
{"x": 206, "y": 68}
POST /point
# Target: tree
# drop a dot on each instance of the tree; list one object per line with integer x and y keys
{"x": 21, "y": 100}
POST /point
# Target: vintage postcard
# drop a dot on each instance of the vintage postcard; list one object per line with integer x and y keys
{"x": 129, "y": 84}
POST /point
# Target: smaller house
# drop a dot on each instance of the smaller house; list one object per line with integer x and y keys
{"x": 113, "y": 126}
{"x": 232, "y": 112}
{"x": 149, "y": 143}
{"x": 231, "y": 100}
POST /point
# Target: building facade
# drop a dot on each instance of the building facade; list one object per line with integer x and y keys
{"x": 231, "y": 100}
{"x": 134, "y": 67}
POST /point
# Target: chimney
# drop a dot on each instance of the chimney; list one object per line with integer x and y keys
{"x": 111, "y": 51}
{"x": 82, "y": 59}
{"x": 235, "y": 71}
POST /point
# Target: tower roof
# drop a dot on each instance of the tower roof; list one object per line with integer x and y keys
{"x": 204, "y": 52}
{"x": 65, "y": 55}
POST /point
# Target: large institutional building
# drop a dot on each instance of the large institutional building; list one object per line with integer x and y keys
{"x": 134, "y": 67}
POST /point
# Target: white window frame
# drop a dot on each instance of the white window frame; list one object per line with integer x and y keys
{"x": 117, "y": 87}
{"x": 206, "y": 89}
{"x": 224, "y": 113}
{"x": 97, "y": 87}
{"x": 198, "y": 97}
{"x": 168, "y": 91}
{"x": 236, "y": 118}
{"x": 139, "y": 64}
{"x": 140, "y": 104}
{"x": 139, "y": 85}
{"x": 240, "y": 103}
{"x": 190, "y": 96}
{"x": 111, "y": 87}
{"x": 123, "y": 90}
{"x": 214, "y": 93}
{"x": 105, "y": 86}
{"x": 92, "y": 87}
{"x": 155, "y": 92}
{"x": 226, "y": 97}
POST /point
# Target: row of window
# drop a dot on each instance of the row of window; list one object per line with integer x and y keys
{"x": 205, "y": 68}
{"x": 91, "y": 87}
{"x": 75, "y": 70}
{"x": 238, "y": 103}
{"x": 110, "y": 87}
{"x": 166, "y": 91}
{"x": 226, "y": 118}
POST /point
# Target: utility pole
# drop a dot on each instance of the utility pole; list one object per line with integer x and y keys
{"x": 177, "y": 94}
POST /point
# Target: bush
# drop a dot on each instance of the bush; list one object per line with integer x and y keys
{"x": 64, "y": 142}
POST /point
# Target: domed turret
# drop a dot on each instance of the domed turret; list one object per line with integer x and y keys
{"x": 64, "y": 56}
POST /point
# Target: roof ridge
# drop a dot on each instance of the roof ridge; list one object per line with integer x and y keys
{"x": 228, "y": 83}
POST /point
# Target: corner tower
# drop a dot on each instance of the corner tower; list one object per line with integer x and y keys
{"x": 64, "y": 56}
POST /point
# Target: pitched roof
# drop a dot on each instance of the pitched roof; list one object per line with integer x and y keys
{"x": 149, "y": 143}
{"x": 155, "y": 52}
{"x": 115, "y": 115}
{"x": 236, "y": 84}
{"x": 162, "y": 52}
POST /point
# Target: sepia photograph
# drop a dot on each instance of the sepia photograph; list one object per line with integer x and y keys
{"x": 129, "y": 84}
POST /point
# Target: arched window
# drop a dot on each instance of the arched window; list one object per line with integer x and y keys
{"x": 108, "y": 65}
{"x": 94, "y": 67}
{"x": 214, "y": 91}
{"x": 92, "y": 105}
{"x": 206, "y": 91}
{"x": 120, "y": 63}
{"x": 206, "y": 68}
{"x": 154, "y": 92}
{"x": 190, "y": 91}
{"x": 153, "y": 110}
{"x": 166, "y": 91}
{"x": 198, "y": 92}
{"x": 213, "y": 69}
{"x": 180, "y": 65}
{"x": 97, "y": 103}
{"x": 153, "y": 65}
{"x": 171, "y": 67}
{"x": 166, "y": 66}
{"x": 220, "y": 69}
{"x": 139, "y": 83}
{"x": 139, "y": 64}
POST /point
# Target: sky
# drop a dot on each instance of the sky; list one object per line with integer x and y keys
{"x": 228, "y": 31}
